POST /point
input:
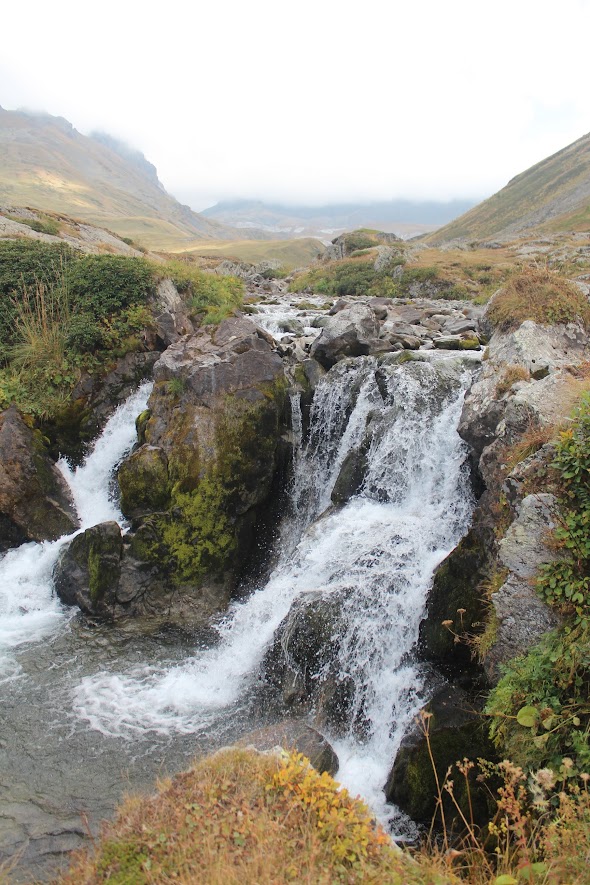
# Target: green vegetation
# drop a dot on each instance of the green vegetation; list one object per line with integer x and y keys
{"x": 538, "y": 295}
{"x": 63, "y": 313}
{"x": 540, "y": 709}
{"x": 43, "y": 224}
{"x": 209, "y": 296}
{"x": 357, "y": 276}
{"x": 565, "y": 582}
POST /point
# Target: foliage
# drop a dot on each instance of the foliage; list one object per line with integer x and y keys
{"x": 209, "y": 296}
{"x": 540, "y": 709}
{"x": 565, "y": 582}
{"x": 105, "y": 284}
{"x": 243, "y": 817}
{"x": 539, "y": 295}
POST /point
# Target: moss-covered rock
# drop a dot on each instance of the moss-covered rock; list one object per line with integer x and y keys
{"x": 143, "y": 480}
{"x": 88, "y": 571}
{"x": 211, "y": 450}
{"x": 456, "y": 731}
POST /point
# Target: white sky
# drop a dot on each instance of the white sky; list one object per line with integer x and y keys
{"x": 315, "y": 101}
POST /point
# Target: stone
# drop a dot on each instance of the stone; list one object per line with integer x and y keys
{"x": 351, "y": 476}
{"x": 35, "y": 501}
{"x": 348, "y": 334}
{"x": 295, "y": 734}
{"x": 88, "y": 570}
{"x": 143, "y": 480}
{"x": 521, "y": 614}
{"x": 456, "y": 731}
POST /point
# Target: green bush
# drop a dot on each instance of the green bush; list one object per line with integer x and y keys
{"x": 540, "y": 709}
{"x": 565, "y": 582}
{"x": 105, "y": 284}
{"x": 84, "y": 334}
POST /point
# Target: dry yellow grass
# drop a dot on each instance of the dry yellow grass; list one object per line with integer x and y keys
{"x": 241, "y": 817}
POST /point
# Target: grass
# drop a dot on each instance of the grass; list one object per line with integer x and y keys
{"x": 244, "y": 818}
{"x": 241, "y": 817}
{"x": 291, "y": 253}
{"x": 539, "y": 295}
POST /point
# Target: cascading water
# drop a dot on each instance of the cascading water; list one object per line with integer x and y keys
{"x": 29, "y": 610}
{"x": 374, "y": 557}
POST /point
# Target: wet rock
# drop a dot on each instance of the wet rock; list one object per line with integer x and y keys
{"x": 455, "y": 606}
{"x": 301, "y": 664}
{"x": 351, "y": 477}
{"x": 295, "y": 734}
{"x": 35, "y": 502}
{"x": 456, "y": 731}
{"x": 348, "y": 334}
{"x": 87, "y": 572}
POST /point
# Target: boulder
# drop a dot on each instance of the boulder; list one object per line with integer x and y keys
{"x": 35, "y": 501}
{"x": 521, "y": 615}
{"x": 171, "y": 315}
{"x": 295, "y": 734}
{"x": 197, "y": 487}
{"x": 87, "y": 572}
{"x": 348, "y": 333}
{"x": 455, "y": 731}
{"x": 301, "y": 664}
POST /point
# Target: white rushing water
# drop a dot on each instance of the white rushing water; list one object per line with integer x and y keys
{"x": 375, "y": 557}
{"x": 29, "y": 609}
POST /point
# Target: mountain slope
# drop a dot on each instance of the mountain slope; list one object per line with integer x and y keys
{"x": 402, "y": 217}
{"x": 553, "y": 195}
{"x": 47, "y": 164}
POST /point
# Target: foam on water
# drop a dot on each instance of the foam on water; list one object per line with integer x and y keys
{"x": 29, "y": 609}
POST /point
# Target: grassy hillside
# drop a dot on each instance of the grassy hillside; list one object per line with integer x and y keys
{"x": 46, "y": 163}
{"x": 291, "y": 253}
{"x": 553, "y": 195}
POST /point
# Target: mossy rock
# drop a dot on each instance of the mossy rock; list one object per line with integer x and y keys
{"x": 144, "y": 482}
{"x": 87, "y": 572}
{"x": 456, "y": 596}
{"x": 455, "y": 732}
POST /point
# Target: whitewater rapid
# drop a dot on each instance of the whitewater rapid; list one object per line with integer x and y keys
{"x": 29, "y": 609}
{"x": 376, "y": 555}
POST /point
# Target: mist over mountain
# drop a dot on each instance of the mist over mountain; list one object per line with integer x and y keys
{"x": 402, "y": 217}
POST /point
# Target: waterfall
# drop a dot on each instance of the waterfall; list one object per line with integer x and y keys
{"x": 374, "y": 557}
{"x": 29, "y": 609}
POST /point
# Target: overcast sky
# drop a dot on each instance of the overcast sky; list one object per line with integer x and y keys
{"x": 314, "y": 101}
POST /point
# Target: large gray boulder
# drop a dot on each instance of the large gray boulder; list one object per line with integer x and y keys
{"x": 350, "y": 332}
{"x": 35, "y": 501}
{"x": 521, "y": 616}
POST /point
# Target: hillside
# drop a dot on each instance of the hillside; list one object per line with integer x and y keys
{"x": 47, "y": 164}
{"x": 406, "y": 218}
{"x": 552, "y": 196}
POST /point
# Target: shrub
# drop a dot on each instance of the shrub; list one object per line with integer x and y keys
{"x": 540, "y": 709}
{"x": 105, "y": 284}
{"x": 538, "y": 295}
{"x": 566, "y": 581}
{"x": 83, "y": 334}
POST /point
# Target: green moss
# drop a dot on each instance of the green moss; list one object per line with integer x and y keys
{"x": 141, "y": 424}
{"x": 94, "y": 569}
{"x": 122, "y": 863}
{"x": 210, "y": 493}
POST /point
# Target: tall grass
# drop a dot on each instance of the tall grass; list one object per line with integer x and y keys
{"x": 41, "y": 320}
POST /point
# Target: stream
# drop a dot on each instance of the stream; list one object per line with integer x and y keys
{"x": 91, "y": 711}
